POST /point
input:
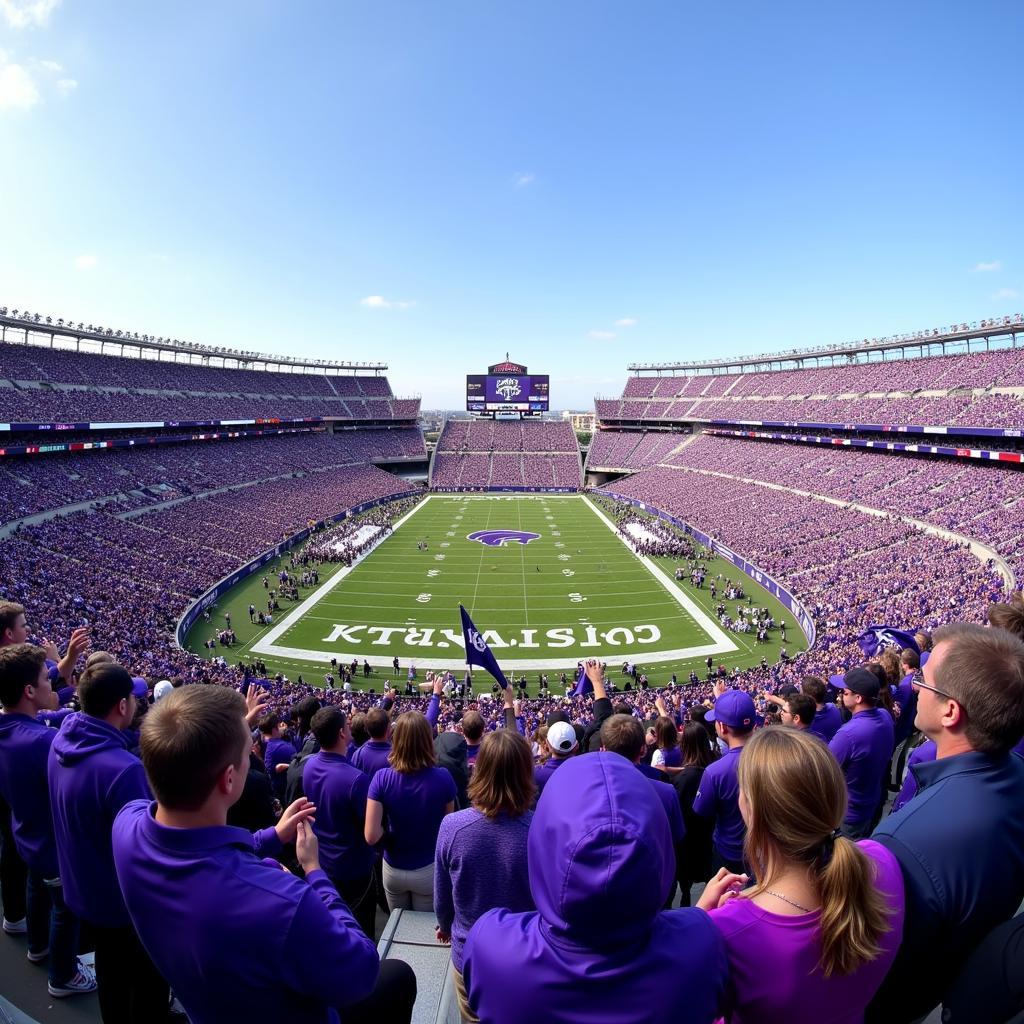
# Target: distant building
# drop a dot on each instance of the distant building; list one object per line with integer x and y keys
{"x": 581, "y": 421}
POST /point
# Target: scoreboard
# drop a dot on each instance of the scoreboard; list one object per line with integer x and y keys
{"x": 507, "y": 392}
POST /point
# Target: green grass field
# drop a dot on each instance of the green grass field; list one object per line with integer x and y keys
{"x": 573, "y": 591}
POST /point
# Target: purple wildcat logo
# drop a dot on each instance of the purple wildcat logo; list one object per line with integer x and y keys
{"x": 499, "y": 538}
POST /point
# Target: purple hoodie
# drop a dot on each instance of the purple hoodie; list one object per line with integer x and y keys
{"x": 599, "y": 948}
{"x": 92, "y": 776}
{"x": 24, "y": 746}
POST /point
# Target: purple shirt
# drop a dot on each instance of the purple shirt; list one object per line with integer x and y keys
{"x": 863, "y": 747}
{"x": 372, "y": 756}
{"x": 414, "y": 805}
{"x": 827, "y": 720}
{"x": 719, "y": 798}
{"x": 278, "y": 752}
{"x": 24, "y": 748}
{"x": 480, "y": 864}
{"x": 786, "y": 986}
{"x": 925, "y": 752}
{"x": 339, "y": 792}
{"x": 238, "y": 939}
{"x": 542, "y": 773}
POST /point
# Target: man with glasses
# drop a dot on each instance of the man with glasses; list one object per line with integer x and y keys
{"x": 960, "y": 841}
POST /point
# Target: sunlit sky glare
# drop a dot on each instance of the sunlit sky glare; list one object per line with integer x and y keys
{"x": 580, "y": 184}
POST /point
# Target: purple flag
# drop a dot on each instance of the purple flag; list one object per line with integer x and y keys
{"x": 877, "y": 638}
{"x": 477, "y": 651}
{"x": 583, "y": 684}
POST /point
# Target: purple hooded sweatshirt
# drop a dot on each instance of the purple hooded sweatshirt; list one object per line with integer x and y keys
{"x": 599, "y": 948}
{"x": 92, "y": 776}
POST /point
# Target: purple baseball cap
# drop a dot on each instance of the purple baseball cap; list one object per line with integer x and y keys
{"x": 140, "y": 688}
{"x": 734, "y": 708}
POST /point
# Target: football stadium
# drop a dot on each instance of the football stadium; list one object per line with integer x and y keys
{"x": 374, "y": 660}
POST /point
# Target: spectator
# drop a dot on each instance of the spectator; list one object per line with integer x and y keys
{"x": 719, "y": 793}
{"x": 827, "y": 717}
{"x": 374, "y": 754}
{"x": 473, "y": 730}
{"x": 25, "y": 690}
{"x": 830, "y": 910}
{"x": 960, "y": 841}
{"x": 561, "y": 743}
{"x": 338, "y": 790}
{"x": 189, "y": 882}
{"x": 599, "y": 947}
{"x": 667, "y": 756}
{"x": 415, "y": 795}
{"x": 481, "y": 856}
{"x": 277, "y": 752}
{"x": 694, "y": 864}
{"x": 91, "y": 777}
{"x": 798, "y": 711}
{"x": 863, "y": 747}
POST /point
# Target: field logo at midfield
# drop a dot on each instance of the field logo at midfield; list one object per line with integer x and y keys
{"x": 499, "y": 538}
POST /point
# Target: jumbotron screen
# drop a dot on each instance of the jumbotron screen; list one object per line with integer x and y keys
{"x": 507, "y": 392}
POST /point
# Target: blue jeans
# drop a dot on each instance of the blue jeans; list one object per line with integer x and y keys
{"x": 52, "y": 925}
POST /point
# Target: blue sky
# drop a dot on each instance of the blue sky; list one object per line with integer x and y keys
{"x": 582, "y": 184}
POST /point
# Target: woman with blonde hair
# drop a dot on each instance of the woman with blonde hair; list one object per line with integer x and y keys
{"x": 829, "y": 910}
{"x": 493, "y": 833}
{"x": 404, "y": 807}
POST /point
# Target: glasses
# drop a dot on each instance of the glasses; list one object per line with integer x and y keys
{"x": 941, "y": 693}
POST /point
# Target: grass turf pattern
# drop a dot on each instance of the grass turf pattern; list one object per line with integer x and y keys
{"x": 572, "y": 590}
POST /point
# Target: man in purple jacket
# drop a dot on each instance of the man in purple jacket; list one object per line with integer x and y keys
{"x": 338, "y": 790}
{"x": 863, "y": 747}
{"x": 372, "y": 756}
{"x": 201, "y": 897}
{"x": 827, "y": 717}
{"x": 25, "y": 690}
{"x": 599, "y": 948}
{"x": 92, "y": 776}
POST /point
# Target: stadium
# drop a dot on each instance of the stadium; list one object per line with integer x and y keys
{"x": 511, "y": 513}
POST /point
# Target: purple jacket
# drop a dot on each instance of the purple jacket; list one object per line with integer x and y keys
{"x": 599, "y": 948}
{"x": 826, "y": 722}
{"x": 863, "y": 747}
{"x": 542, "y": 773}
{"x": 719, "y": 798}
{"x": 24, "y": 747}
{"x": 237, "y": 939}
{"x": 92, "y": 776}
{"x": 372, "y": 756}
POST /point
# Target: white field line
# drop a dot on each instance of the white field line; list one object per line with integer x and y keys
{"x": 265, "y": 641}
{"x": 722, "y": 643}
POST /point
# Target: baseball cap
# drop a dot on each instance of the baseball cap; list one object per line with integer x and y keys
{"x": 562, "y": 737}
{"x": 734, "y": 708}
{"x": 863, "y": 682}
{"x": 161, "y": 689}
{"x": 140, "y": 688}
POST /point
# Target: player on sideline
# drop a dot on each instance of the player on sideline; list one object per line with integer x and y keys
{"x": 238, "y": 938}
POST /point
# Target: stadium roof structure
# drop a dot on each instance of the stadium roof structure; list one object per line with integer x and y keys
{"x": 998, "y": 329}
{"x": 127, "y": 343}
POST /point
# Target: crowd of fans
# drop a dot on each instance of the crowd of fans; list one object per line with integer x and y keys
{"x": 153, "y": 826}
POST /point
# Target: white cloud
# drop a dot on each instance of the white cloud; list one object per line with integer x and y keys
{"x": 626, "y": 321}
{"x": 51, "y": 65}
{"x": 522, "y": 180}
{"x": 23, "y": 13}
{"x": 86, "y": 262}
{"x": 1007, "y": 293}
{"x": 379, "y": 302}
{"x": 17, "y": 90}
{"x": 66, "y": 86}
{"x": 602, "y": 335}
{"x": 986, "y": 268}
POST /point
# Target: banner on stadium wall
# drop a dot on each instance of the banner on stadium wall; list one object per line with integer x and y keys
{"x": 194, "y": 610}
{"x": 776, "y": 589}
{"x": 892, "y": 446}
{"x": 504, "y": 490}
{"x": 879, "y": 427}
{"x": 157, "y": 424}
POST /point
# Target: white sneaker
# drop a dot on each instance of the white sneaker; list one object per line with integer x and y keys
{"x": 15, "y": 927}
{"x": 81, "y": 984}
{"x": 38, "y": 958}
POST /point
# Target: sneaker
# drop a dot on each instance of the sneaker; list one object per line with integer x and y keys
{"x": 37, "y": 958}
{"x": 81, "y": 984}
{"x": 15, "y": 927}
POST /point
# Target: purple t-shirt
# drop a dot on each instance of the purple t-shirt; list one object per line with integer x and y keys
{"x": 785, "y": 985}
{"x": 719, "y": 798}
{"x": 414, "y": 805}
{"x": 827, "y": 721}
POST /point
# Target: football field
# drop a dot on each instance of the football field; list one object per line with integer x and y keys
{"x": 546, "y": 579}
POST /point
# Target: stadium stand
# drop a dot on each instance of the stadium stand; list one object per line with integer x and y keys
{"x": 498, "y": 453}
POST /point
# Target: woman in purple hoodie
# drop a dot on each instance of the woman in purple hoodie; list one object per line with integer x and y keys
{"x": 599, "y": 949}
{"x": 829, "y": 910}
